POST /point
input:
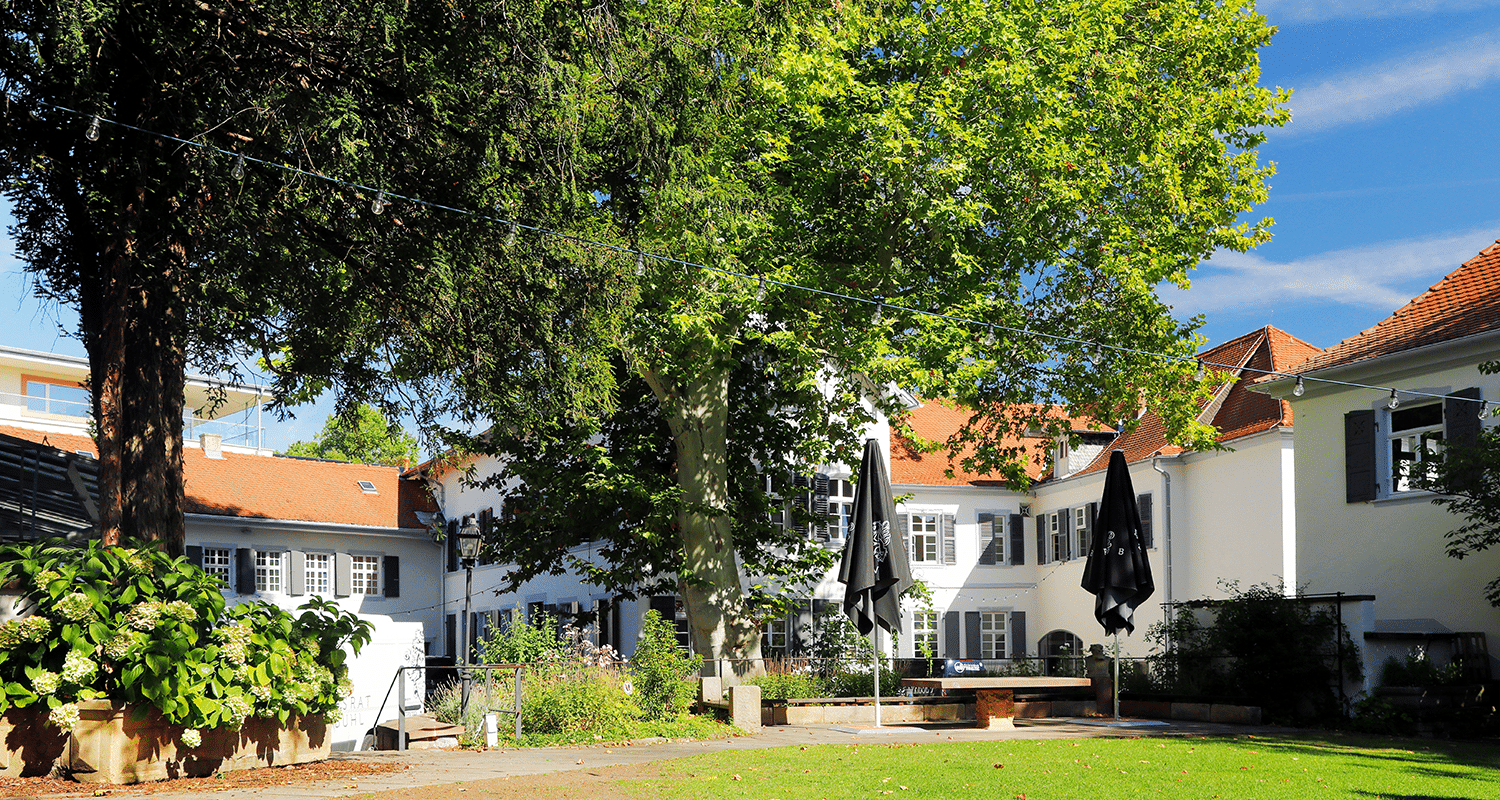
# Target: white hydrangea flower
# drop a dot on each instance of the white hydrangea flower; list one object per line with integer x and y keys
{"x": 64, "y": 717}
{"x": 78, "y": 669}
{"x": 46, "y": 683}
{"x": 75, "y": 607}
{"x": 192, "y": 737}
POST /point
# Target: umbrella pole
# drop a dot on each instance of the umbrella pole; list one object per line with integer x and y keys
{"x": 1116, "y": 687}
{"x": 875, "y": 646}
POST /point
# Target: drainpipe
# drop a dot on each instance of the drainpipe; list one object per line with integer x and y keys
{"x": 1166, "y": 516}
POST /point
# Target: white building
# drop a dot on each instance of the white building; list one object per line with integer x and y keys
{"x": 1361, "y": 531}
{"x": 274, "y": 528}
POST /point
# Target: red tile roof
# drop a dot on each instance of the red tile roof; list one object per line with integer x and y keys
{"x": 276, "y": 487}
{"x": 1235, "y": 411}
{"x": 1465, "y": 302}
{"x": 938, "y": 420}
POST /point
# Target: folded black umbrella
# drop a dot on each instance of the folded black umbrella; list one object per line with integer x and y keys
{"x": 874, "y": 570}
{"x": 1118, "y": 572}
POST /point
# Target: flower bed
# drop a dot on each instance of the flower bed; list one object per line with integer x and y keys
{"x": 106, "y": 628}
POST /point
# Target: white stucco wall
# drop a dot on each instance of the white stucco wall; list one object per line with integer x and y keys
{"x": 1394, "y": 547}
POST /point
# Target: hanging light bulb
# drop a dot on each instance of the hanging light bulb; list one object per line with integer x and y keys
{"x": 640, "y": 263}
{"x": 879, "y": 312}
{"x": 92, "y": 134}
{"x": 1199, "y": 376}
{"x": 760, "y": 290}
{"x": 989, "y": 335}
{"x": 238, "y": 170}
{"x": 1484, "y": 408}
{"x": 1299, "y": 389}
{"x": 510, "y": 235}
{"x": 1393, "y": 402}
{"x": 378, "y": 204}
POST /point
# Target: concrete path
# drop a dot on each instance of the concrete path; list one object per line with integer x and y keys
{"x": 440, "y": 767}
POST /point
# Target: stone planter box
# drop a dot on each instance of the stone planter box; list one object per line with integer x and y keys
{"x": 1226, "y": 713}
{"x": 861, "y": 711}
{"x": 110, "y": 746}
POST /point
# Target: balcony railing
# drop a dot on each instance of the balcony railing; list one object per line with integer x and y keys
{"x": 237, "y": 429}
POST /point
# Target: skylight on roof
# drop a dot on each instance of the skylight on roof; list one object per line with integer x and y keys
{"x": 367, "y": 487}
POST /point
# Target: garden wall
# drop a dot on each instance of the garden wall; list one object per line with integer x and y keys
{"x": 108, "y": 745}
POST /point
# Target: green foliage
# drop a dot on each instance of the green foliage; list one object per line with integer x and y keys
{"x": 1280, "y": 653}
{"x": 664, "y": 674}
{"x": 137, "y": 626}
{"x": 525, "y": 642}
{"x": 1467, "y": 482}
{"x": 1417, "y": 669}
{"x": 362, "y": 435}
{"x": 781, "y": 682}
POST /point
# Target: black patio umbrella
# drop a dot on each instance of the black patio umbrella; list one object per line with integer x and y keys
{"x": 1118, "y": 572}
{"x": 874, "y": 569}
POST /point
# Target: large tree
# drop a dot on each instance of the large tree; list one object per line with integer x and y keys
{"x": 1041, "y": 167}
{"x": 362, "y": 435}
{"x": 178, "y": 252}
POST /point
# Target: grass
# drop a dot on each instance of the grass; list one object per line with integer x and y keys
{"x": 1242, "y": 768}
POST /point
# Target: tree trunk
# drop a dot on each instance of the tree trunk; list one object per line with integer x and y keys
{"x": 716, "y": 601}
{"x": 131, "y": 329}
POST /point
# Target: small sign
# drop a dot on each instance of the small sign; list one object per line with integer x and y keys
{"x": 955, "y": 668}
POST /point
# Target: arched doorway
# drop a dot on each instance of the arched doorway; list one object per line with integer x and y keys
{"x": 1062, "y": 653}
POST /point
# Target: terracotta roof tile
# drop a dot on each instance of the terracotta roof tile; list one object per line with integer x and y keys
{"x": 276, "y": 487}
{"x": 1465, "y": 302}
{"x": 938, "y": 420}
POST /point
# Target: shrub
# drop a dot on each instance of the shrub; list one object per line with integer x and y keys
{"x": 136, "y": 626}
{"x": 663, "y": 672}
{"x": 1418, "y": 670}
{"x": 782, "y": 681}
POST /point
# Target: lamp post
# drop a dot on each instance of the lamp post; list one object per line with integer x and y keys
{"x": 468, "y": 551}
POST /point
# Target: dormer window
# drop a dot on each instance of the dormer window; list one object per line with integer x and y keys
{"x": 368, "y": 487}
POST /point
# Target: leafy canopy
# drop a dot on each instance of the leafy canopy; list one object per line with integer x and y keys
{"x": 362, "y": 435}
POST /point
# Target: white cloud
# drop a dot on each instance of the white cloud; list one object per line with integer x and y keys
{"x": 1383, "y": 89}
{"x": 1278, "y": 11}
{"x": 1380, "y": 276}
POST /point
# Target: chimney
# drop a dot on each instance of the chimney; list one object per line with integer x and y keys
{"x": 213, "y": 445}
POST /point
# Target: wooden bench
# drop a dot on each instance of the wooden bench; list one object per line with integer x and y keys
{"x": 995, "y": 698}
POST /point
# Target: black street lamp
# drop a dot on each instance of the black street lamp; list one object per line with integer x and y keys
{"x": 468, "y": 552}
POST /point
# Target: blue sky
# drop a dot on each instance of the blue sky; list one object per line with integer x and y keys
{"x": 1387, "y": 178}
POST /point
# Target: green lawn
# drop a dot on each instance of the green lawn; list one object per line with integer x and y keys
{"x": 1238, "y": 768}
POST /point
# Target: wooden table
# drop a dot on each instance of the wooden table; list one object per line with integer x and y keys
{"x": 995, "y": 698}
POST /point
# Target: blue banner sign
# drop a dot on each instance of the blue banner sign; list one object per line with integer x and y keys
{"x": 955, "y": 668}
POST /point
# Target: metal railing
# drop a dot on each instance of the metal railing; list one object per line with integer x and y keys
{"x": 463, "y": 674}
{"x": 246, "y": 434}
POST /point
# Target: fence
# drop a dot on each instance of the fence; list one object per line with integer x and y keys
{"x": 1056, "y": 666}
{"x": 464, "y": 675}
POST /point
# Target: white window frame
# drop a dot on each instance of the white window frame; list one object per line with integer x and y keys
{"x": 219, "y": 562}
{"x": 270, "y": 571}
{"x": 926, "y": 541}
{"x": 774, "y": 635}
{"x": 924, "y": 628}
{"x": 1418, "y": 443}
{"x": 840, "y": 505}
{"x": 1080, "y": 532}
{"x": 364, "y": 582}
{"x": 318, "y": 580}
{"x": 994, "y": 629}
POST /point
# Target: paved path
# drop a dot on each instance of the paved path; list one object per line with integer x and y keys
{"x": 439, "y": 767}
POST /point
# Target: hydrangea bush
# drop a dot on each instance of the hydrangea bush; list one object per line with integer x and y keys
{"x": 136, "y": 626}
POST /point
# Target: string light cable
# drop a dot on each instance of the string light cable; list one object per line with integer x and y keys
{"x": 880, "y": 306}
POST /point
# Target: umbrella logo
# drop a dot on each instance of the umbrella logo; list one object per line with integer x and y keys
{"x": 882, "y": 541}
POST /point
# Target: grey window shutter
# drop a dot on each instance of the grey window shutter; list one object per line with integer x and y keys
{"x": 194, "y": 555}
{"x": 1065, "y": 523}
{"x": 1091, "y": 512}
{"x": 343, "y": 574}
{"x": 819, "y": 606}
{"x": 950, "y": 539}
{"x": 902, "y": 525}
{"x": 1461, "y": 417}
{"x": 1018, "y": 634}
{"x": 1148, "y": 520}
{"x": 1041, "y": 539}
{"x": 244, "y": 570}
{"x": 450, "y": 634}
{"x": 1017, "y": 539}
{"x": 450, "y": 541}
{"x": 1359, "y": 456}
{"x": 296, "y": 581}
{"x": 952, "y": 635}
{"x": 800, "y": 624}
{"x": 820, "y": 507}
{"x": 392, "y": 576}
{"x": 803, "y": 501}
{"x": 971, "y": 634}
{"x": 987, "y": 538}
